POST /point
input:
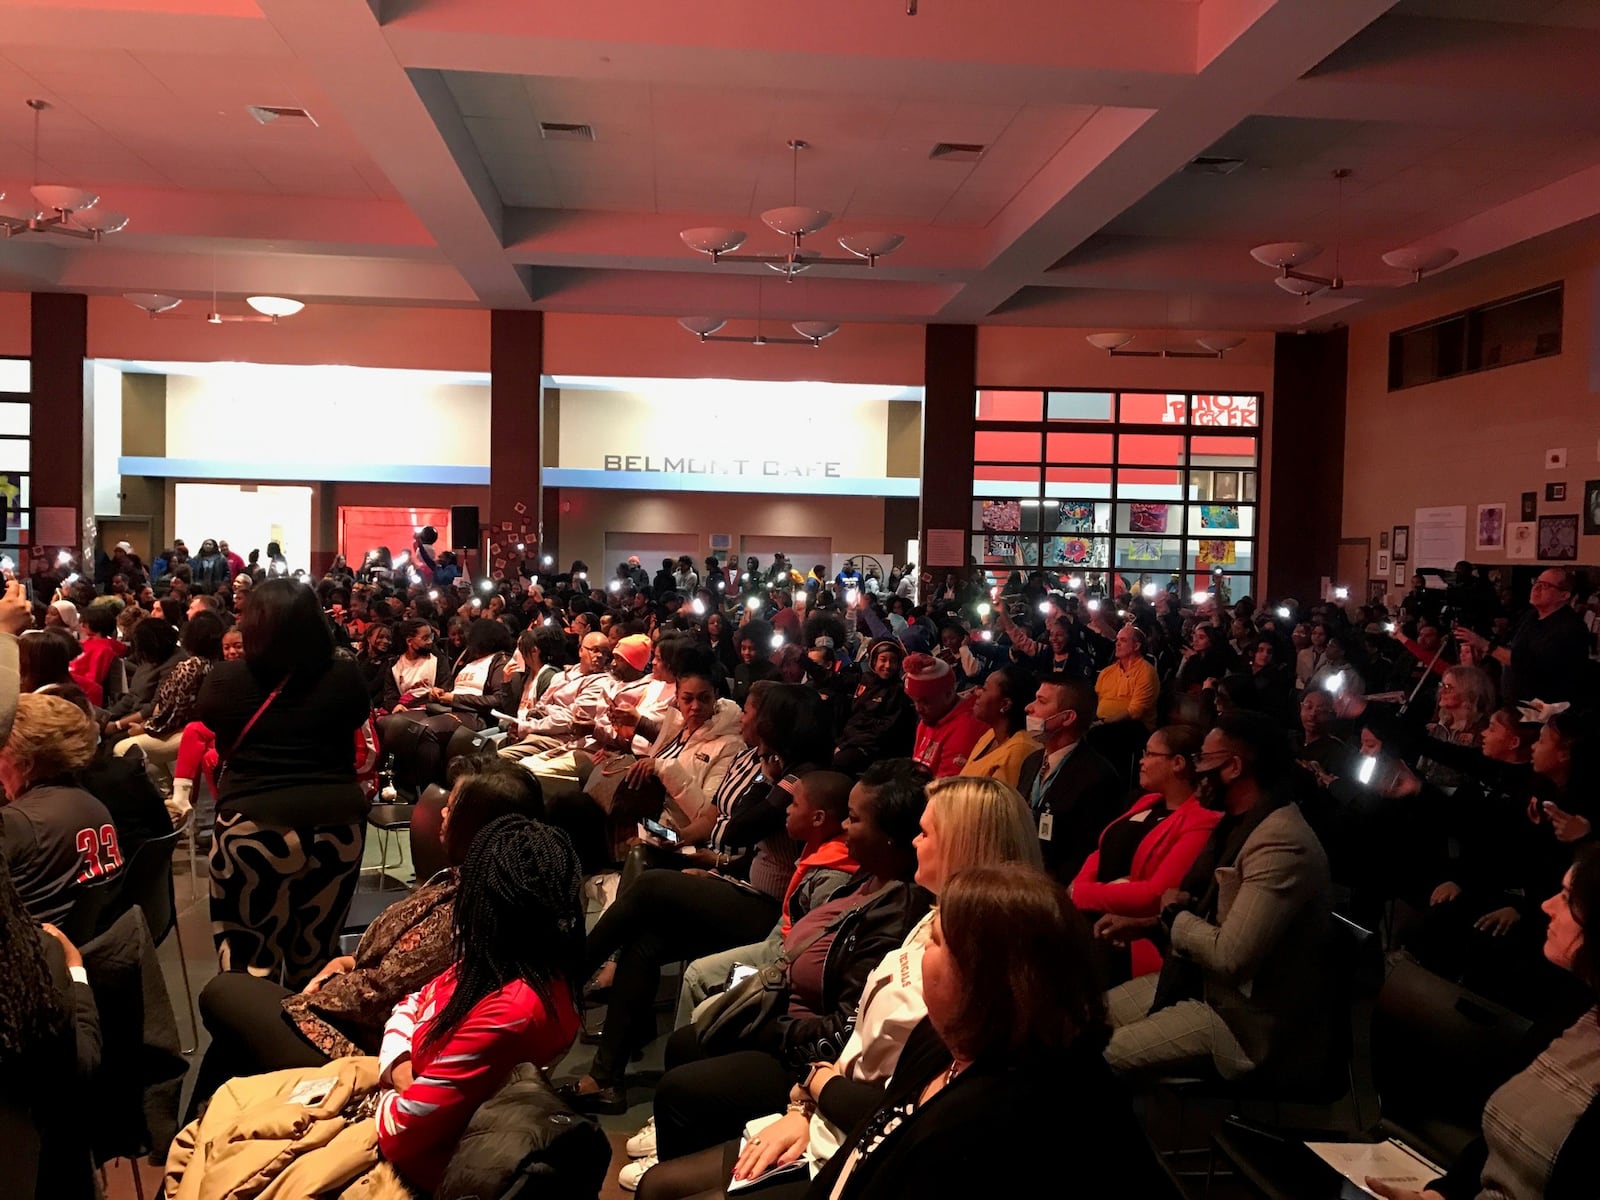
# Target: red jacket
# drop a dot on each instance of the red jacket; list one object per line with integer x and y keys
{"x": 418, "y": 1129}
{"x": 943, "y": 748}
{"x": 1161, "y": 861}
{"x": 89, "y": 668}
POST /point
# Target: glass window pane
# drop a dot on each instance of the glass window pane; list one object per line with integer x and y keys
{"x": 1091, "y": 482}
{"x": 1165, "y": 449}
{"x": 1078, "y": 447}
{"x": 1222, "y": 520}
{"x": 1010, "y": 406}
{"x": 1154, "y": 408}
{"x": 1150, "y": 485}
{"x": 13, "y": 455}
{"x": 1076, "y": 515}
{"x": 14, "y": 419}
{"x": 16, "y": 375}
{"x": 1207, "y": 554}
{"x": 1003, "y": 550}
{"x": 993, "y": 446}
{"x": 1238, "y": 411}
{"x": 1223, "y": 451}
{"x": 1150, "y": 520}
{"x": 1158, "y": 556}
{"x": 1078, "y": 406}
{"x": 1005, "y": 516}
{"x": 1230, "y": 486}
{"x": 1224, "y": 588}
{"x": 1074, "y": 550}
{"x": 1006, "y": 481}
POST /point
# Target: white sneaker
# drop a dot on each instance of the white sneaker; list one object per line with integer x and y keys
{"x": 643, "y": 1143}
{"x": 628, "y": 1178}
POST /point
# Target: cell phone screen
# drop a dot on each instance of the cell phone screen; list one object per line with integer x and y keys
{"x": 1368, "y": 766}
{"x": 661, "y": 831}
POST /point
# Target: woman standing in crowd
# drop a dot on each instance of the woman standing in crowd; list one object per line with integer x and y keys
{"x": 290, "y": 815}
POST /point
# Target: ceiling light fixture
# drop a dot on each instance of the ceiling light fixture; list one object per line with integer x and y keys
{"x": 58, "y": 208}
{"x": 268, "y": 309}
{"x": 1286, "y": 258}
{"x": 1214, "y": 346}
{"x": 794, "y": 221}
{"x": 811, "y": 332}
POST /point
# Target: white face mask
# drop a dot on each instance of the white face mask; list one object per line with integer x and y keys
{"x": 1038, "y": 725}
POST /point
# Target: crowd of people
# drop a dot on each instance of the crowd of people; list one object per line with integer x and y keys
{"x": 955, "y": 867}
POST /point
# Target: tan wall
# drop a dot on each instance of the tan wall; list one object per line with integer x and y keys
{"x": 853, "y": 523}
{"x": 1477, "y": 439}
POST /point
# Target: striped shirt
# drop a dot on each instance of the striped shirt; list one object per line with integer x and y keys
{"x": 742, "y": 772}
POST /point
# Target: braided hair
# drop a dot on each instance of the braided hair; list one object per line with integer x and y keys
{"x": 518, "y": 915}
{"x": 32, "y": 1013}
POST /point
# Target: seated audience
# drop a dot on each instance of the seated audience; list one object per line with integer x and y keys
{"x": 1145, "y": 852}
{"x": 1127, "y": 689}
{"x": 569, "y": 707}
{"x": 257, "y": 1026}
{"x": 98, "y": 670}
{"x": 1002, "y": 703}
{"x": 176, "y": 698}
{"x": 947, "y": 730}
{"x": 55, "y": 837}
{"x": 1539, "y": 1128}
{"x": 1010, "y": 1047}
{"x": 1243, "y": 987}
{"x": 50, "y": 1048}
{"x": 154, "y": 656}
{"x": 882, "y": 722}
{"x": 1073, "y": 792}
{"x": 44, "y": 661}
{"x": 966, "y": 823}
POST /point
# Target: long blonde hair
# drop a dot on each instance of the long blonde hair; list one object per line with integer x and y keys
{"x": 982, "y": 822}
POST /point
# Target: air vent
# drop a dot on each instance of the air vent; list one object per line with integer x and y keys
{"x": 266, "y": 114}
{"x": 561, "y": 131}
{"x": 957, "y": 151}
{"x": 1210, "y": 164}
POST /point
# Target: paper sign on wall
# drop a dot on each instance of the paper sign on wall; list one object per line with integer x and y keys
{"x": 1439, "y": 536}
{"x": 946, "y": 548}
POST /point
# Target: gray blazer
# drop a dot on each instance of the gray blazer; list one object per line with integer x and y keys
{"x": 1265, "y": 960}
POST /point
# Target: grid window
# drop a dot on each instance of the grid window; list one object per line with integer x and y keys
{"x": 1133, "y": 489}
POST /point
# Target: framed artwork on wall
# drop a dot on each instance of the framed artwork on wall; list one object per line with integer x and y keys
{"x": 1530, "y": 505}
{"x": 1225, "y": 485}
{"x": 1558, "y": 538}
{"x": 1399, "y": 575}
{"x": 1383, "y": 540}
{"x": 1383, "y": 564}
{"x": 1591, "y": 507}
{"x": 1555, "y": 492}
{"x": 1491, "y": 526}
{"x": 1400, "y": 543}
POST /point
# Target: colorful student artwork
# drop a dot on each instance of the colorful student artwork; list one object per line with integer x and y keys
{"x": 11, "y": 501}
{"x": 1077, "y": 552}
{"x": 1219, "y": 516}
{"x": 1144, "y": 550}
{"x": 1214, "y": 553}
{"x": 1000, "y": 545}
{"x": 1147, "y": 518}
{"x": 1001, "y": 514}
{"x": 1075, "y": 516}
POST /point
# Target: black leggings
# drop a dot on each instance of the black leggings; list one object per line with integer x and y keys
{"x": 664, "y": 917}
{"x": 705, "y": 1175}
{"x": 417, "y": 743}
{"x": 249, "y": 1035}
{"x": 702, "y": 1101}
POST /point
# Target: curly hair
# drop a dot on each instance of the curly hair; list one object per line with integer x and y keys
{"x": 49, "y": 737}
{"x": 518, "y": 915}
{"x": 32, "y": 1013}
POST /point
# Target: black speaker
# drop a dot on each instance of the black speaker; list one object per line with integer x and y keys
{"x": 464, "y": 526}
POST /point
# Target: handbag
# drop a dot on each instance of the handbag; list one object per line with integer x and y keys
{"x": 731, "y": 1020}
{"x": 223, "y": 759}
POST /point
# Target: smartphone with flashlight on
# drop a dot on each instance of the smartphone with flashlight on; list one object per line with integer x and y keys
{"x": 657, "y": 829}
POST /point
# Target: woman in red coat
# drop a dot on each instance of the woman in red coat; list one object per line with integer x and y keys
{"x": 1147, "y": 850}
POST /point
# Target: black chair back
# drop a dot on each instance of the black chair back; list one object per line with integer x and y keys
{"x": 1439, "y": 1050}
{"x": 92, "y": 911}
{"x": 427, "y": 847}
{"x": 147, "y": 885}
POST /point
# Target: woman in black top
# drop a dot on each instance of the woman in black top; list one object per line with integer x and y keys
{"x": 290, "y": 815}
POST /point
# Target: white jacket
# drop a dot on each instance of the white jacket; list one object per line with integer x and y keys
{"x": 692, "y": 777}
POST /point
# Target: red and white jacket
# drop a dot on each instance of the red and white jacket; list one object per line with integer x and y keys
{"x": 418, "y": 1129}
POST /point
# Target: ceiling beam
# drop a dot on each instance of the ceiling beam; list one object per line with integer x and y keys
{"x": 1272, "y": 47}
{"x": 412, "y": 131}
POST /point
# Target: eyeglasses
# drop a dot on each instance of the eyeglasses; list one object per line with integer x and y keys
{"x": 1160, "y": 754}
{"x": 1545, "y": 583}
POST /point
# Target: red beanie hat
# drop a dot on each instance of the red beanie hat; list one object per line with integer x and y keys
{"x": 927, "y": 676}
